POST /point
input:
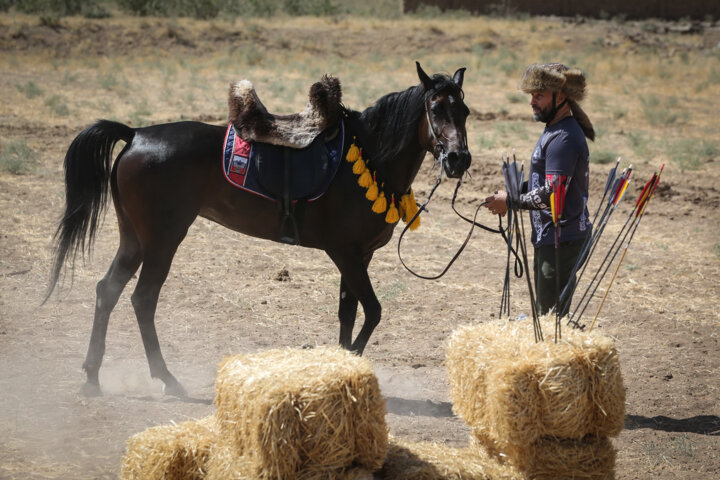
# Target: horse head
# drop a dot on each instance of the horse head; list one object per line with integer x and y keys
{"x": 443, "y": 132}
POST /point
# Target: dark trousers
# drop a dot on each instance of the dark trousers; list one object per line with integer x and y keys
{"x": 546, "y": 292}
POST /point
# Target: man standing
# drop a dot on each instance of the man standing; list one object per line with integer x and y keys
{"x": 561, "y": 153}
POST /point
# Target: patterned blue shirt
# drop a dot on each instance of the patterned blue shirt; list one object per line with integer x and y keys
{"x": 563, "y": 150}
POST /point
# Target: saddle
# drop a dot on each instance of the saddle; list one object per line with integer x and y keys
{"x": 291, "y": 153}
{"x": 255, "y": 124}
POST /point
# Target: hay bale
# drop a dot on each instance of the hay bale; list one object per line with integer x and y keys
{"x": 591, "y": 458}
{"x": 291, "y": 413}
{"x": 515, "y": 391}
{"x": 431, "y": 461}
{"x": 225, "y": 463}
{"x": 170, "y": 452}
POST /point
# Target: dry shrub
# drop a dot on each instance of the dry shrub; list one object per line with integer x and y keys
{"x": 514, "y": 391}
{"x": 170, "y": 452}
{"x": 431, "y": 461}
{"x": 304, "y": 414}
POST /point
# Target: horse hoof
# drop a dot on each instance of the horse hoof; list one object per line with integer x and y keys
{"x": 174, "y": 389}
{"x": 90, "y": 390}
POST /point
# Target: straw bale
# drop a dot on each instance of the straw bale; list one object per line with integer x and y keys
{"x": 431, "y": 461}
{"x": 591, "y": 458}
{"x": 170, "y": 452}
{"x": 515, "y": 391}
{"x": 296, "y": 413}
{"x": 226, "y": 464}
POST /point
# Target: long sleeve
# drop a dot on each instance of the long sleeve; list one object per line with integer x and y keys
{"x": 537, "y": 199}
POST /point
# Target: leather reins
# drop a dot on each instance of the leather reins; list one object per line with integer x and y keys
{"x": 440, "y": 157}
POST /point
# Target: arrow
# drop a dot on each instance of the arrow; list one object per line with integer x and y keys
{"x": 608, "y": 185}
{"x": 619, "y": 187}
{"x": 624, "y": 232}
{"x": 643, "y": 202}
{"x": 558, "y": 184}
{"x": 514, "y": 178}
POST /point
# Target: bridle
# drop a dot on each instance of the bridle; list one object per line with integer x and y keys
{"x": 440, "y": 157}
{"x": 439, "y": 150}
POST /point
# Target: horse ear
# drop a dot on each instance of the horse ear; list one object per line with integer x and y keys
{"x": 424, "y": 78}
{"x": 458, "y": 77}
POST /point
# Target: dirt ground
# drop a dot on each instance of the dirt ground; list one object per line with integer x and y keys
{"x": 224, "y": 296}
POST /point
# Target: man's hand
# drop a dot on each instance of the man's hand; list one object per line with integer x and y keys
{"x": 497, "y": 204}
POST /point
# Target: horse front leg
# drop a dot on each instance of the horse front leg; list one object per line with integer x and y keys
{"x": 347, "y": 312}
{"x": 155, "y": 269}
{"x": 355, "y": 283}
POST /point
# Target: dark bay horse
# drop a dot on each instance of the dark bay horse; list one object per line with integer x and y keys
{"x": 167, "y": 175}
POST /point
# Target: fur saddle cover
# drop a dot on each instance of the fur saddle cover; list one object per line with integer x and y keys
{"x": 262, "y": 168}
{"x": 255, "y": 124}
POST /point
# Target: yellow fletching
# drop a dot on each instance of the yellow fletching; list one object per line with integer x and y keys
{"x": 380, "y": 204}
{"x": 622, "y": 192}
{"x": 353, "y": 153}
{"x": 552, "y": 207}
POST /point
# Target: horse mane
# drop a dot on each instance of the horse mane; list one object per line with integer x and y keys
{"x": 393, "y": 117}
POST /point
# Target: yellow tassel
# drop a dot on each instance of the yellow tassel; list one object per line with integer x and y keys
{"x": 410, "y": 208}
{"x": 372, "y": 192}
{"x": 392, "y": 214}
{"x": 359, "y": 167}
{"x": 380, "y": 204}
{"x": 415, "y": 224}
{"x": 365, "y": 179}
{"x": 353, "y": 153}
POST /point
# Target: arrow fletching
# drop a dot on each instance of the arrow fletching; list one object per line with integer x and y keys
{"x": 641, "y": 209}
{"x": 622, "y": 186}
{"x": 645, "y": 191}
{"x": 612, "y": 174}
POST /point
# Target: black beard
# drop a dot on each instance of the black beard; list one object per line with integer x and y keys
{"x": 542, "y": 116}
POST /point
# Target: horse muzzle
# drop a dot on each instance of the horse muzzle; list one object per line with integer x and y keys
{"x": 456, "y": 163}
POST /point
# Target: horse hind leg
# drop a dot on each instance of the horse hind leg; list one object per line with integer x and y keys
{"x": 108, "y": 290}
{"x": 155, "y": 269}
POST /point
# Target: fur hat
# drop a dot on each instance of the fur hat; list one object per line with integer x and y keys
{"x": 557, "y": 77}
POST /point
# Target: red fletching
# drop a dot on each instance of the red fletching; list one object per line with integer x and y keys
{"x": 558, "y": 184}
{"x": 624, "y": 179}
{"x": 651, "y": 191}
{"x": 646, "y": 190}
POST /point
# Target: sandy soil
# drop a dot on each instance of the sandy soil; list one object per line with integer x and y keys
{"x": 222, "y": 296}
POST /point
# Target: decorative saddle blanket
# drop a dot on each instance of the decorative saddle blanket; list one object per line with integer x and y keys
{"x": 261, "y": 168}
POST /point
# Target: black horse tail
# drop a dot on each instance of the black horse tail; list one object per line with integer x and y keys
{"x": 88, "y": 166}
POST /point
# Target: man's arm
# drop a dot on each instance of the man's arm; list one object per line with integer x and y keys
{"x": 537, "y": 199}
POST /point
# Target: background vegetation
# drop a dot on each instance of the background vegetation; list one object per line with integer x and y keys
{"x": 202, "y": 9}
